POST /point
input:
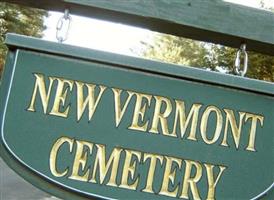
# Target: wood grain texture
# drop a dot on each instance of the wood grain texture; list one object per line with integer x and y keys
{"x": 211, "y": 21}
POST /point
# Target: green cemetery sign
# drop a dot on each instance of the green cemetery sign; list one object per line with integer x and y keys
{"x": 80, "y": 123}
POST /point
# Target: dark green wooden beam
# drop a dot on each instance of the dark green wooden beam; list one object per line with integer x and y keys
{"x": 211, "y": 21}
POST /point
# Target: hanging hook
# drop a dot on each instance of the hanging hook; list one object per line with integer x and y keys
{"x": 61, "y": 32}
{"x": 237, "y": 65}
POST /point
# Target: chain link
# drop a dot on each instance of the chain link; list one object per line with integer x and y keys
{"x": 63, "y": 27}
{"x": 237, "y": 66}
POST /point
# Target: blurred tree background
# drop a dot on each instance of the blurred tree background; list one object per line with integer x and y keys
{"x": 212, "y": 57}
{"x": 21, "y": 20}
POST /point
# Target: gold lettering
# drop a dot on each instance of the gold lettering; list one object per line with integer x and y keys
{"x": 100, "y": 163}
{"x": 252, "y": 133}
{"x": 161, "y": 117}
{"x": 80, "y": 161}
{"x": 129, "y": 170}
{"x": 119, "y": 113}
{"x": 236, "y": 131}
{"x": 204, "y": 121}
{"x": 130, "y": 178}
{"x": 150, "y": 176}
{"x": 184, "y": 121}
{"x": 210, "y": 180}
{"x": 191, "y": 181}
{"x": 61, "y": 95}
{"x": 139, "y": 112}
{"x": 53, "y": 155}
{"x": 44, "y": 94}
{"x": 90, "y": 100}
{"x": 169, "y": 176}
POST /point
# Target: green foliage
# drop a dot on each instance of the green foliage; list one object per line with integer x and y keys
{"x": 20, "y": 20}
{"x": 169, "y": 48}
{"x": 182, "y": 51}
{"x": 260, "y": 66}
{"x": 187, "y": 52}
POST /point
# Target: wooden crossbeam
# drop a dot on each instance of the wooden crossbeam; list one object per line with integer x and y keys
{"x": 211, "y": 21}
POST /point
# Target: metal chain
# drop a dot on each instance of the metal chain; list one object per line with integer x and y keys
{"x": 63, "y": 27}
{"x": 237, "y": 66}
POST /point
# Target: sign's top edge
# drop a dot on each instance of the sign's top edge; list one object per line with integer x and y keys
{"x": 154, "y": 67}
